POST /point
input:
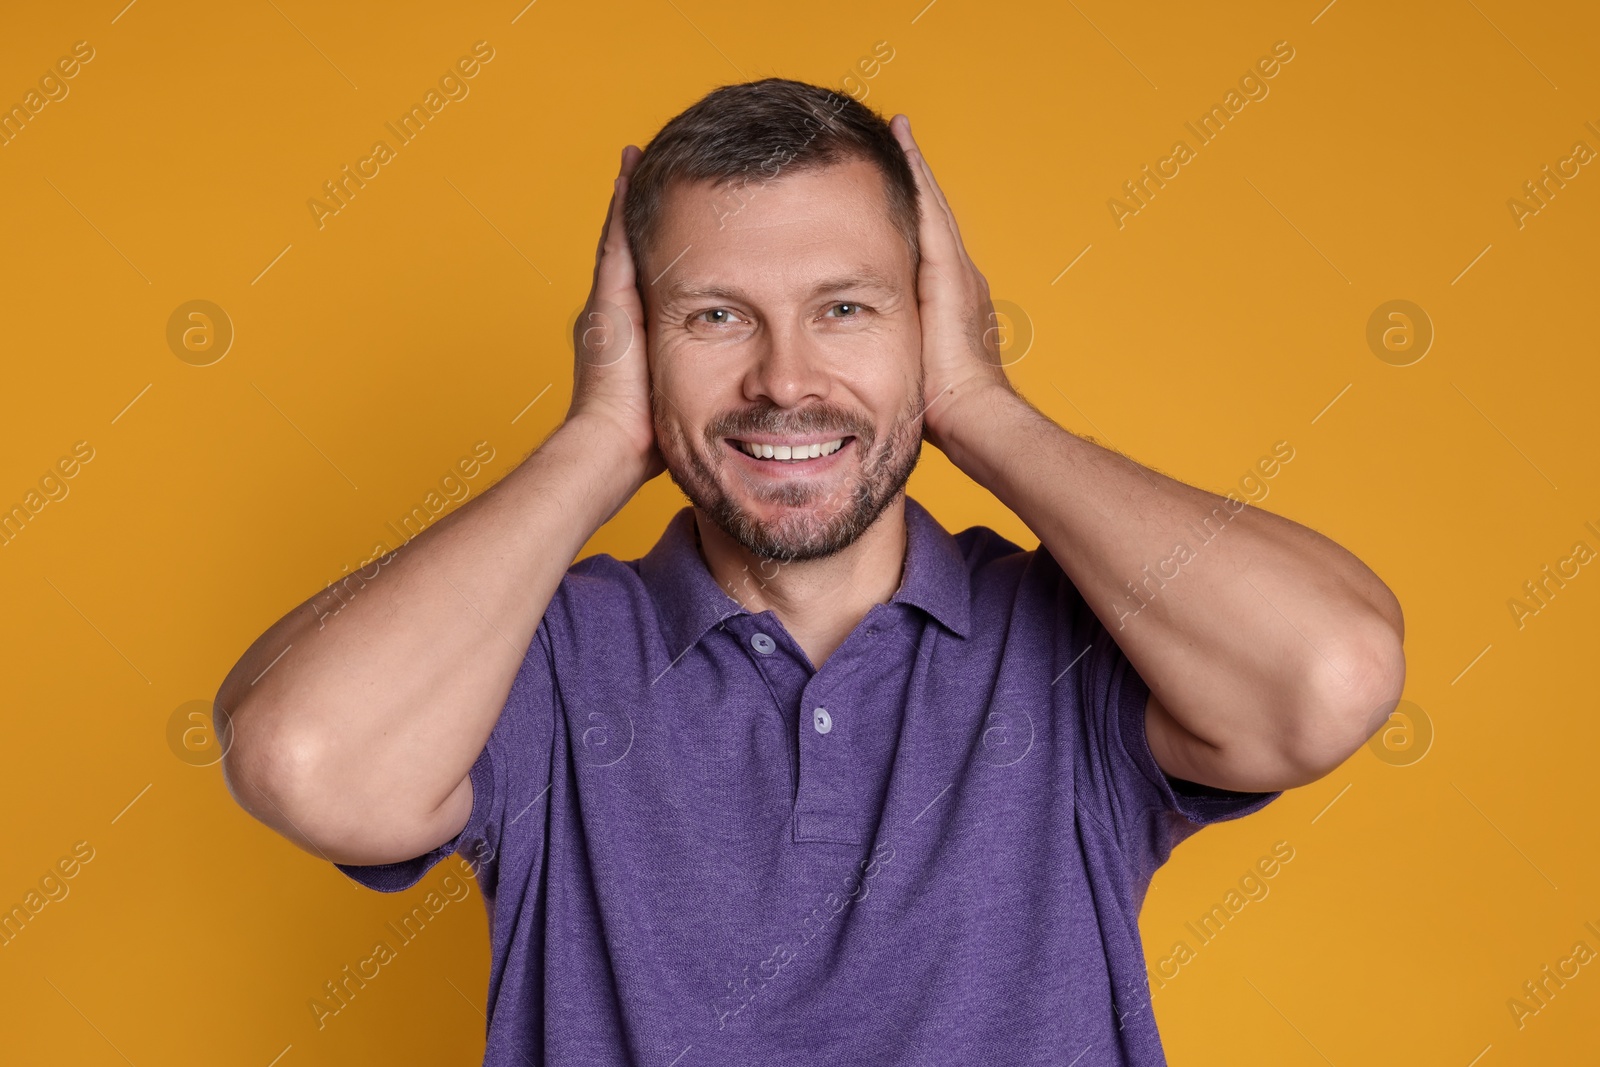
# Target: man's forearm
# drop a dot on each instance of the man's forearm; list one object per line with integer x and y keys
{"x": 1259, "y": 622}
{"x": 376, "y": 715}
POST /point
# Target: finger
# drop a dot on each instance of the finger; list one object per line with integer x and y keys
{"x": 614, "y": 274}
{"x": 947, "y": 216}
{"x": 900, "y": 126}
{"x": 939, "y": 230}
{"x": 630, "y": 162}
{"x": 919, "y": 163}
{"x": 613, "y": 261}
{"x": 600, "y": 243}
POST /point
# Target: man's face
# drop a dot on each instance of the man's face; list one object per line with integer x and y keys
{"x": 789, "y": 319}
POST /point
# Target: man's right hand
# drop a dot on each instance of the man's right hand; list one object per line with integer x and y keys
{"x": 611, "y": 371}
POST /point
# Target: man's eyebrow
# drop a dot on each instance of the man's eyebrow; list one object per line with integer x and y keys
{"x": 862, "y": 278}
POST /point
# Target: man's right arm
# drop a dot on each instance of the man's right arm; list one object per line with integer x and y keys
{"x": 354, "y": 736}
{"x": 356, "y": 743}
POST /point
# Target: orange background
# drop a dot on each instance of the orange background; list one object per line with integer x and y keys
{"x": 432, "y": 312}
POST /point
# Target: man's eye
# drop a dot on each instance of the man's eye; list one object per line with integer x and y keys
{"x": 727, "y": 316}
{"x": 855, "y": 310}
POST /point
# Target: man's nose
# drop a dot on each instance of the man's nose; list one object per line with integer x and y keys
{"x": 788, "y": 367}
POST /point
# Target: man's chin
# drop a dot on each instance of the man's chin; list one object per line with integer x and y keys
{"x": 784, "y": 530}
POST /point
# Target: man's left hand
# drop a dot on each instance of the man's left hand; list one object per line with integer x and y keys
{"x": 960, "y": 347}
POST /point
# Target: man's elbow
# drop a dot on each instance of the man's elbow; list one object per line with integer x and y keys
{"x": 263, "y": 771}
{"x": 1351, "y": 699}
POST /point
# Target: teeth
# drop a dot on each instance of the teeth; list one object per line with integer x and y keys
{"x": 791, "y": 453}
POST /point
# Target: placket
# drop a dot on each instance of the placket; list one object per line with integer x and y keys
{"x": 820, "y": 707}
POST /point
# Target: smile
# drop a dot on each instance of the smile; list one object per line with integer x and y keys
{"x": 791, "y": 452}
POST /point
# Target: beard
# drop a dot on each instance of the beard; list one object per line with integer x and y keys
{"x": 815, "y": 522}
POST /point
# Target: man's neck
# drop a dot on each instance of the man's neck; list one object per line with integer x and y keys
{"x": 818, "y": 601}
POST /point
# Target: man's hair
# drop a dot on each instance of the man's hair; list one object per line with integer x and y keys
{"x": 739, "y": 137}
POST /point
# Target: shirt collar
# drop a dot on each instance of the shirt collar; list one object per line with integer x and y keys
{"x": 690, "y": 602}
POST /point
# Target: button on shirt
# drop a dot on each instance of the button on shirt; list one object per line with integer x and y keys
{"x": 698, "y": 849}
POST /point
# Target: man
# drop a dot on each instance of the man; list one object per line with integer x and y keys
{"x": 814, "y": 781}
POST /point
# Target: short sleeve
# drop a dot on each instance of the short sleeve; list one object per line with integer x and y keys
{"x": 1146, "y": 810}
{"x": 510, "y": 774}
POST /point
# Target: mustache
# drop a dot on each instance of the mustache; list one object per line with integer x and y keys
{"x": 777, "y": 423}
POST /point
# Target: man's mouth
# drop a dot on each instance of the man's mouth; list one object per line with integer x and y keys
{"x": 789, "y": 451}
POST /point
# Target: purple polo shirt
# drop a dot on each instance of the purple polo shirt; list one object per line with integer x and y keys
{"x": 696, "y": 849}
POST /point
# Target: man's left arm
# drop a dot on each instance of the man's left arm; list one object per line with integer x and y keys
{"x": 1271, "y": 653}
